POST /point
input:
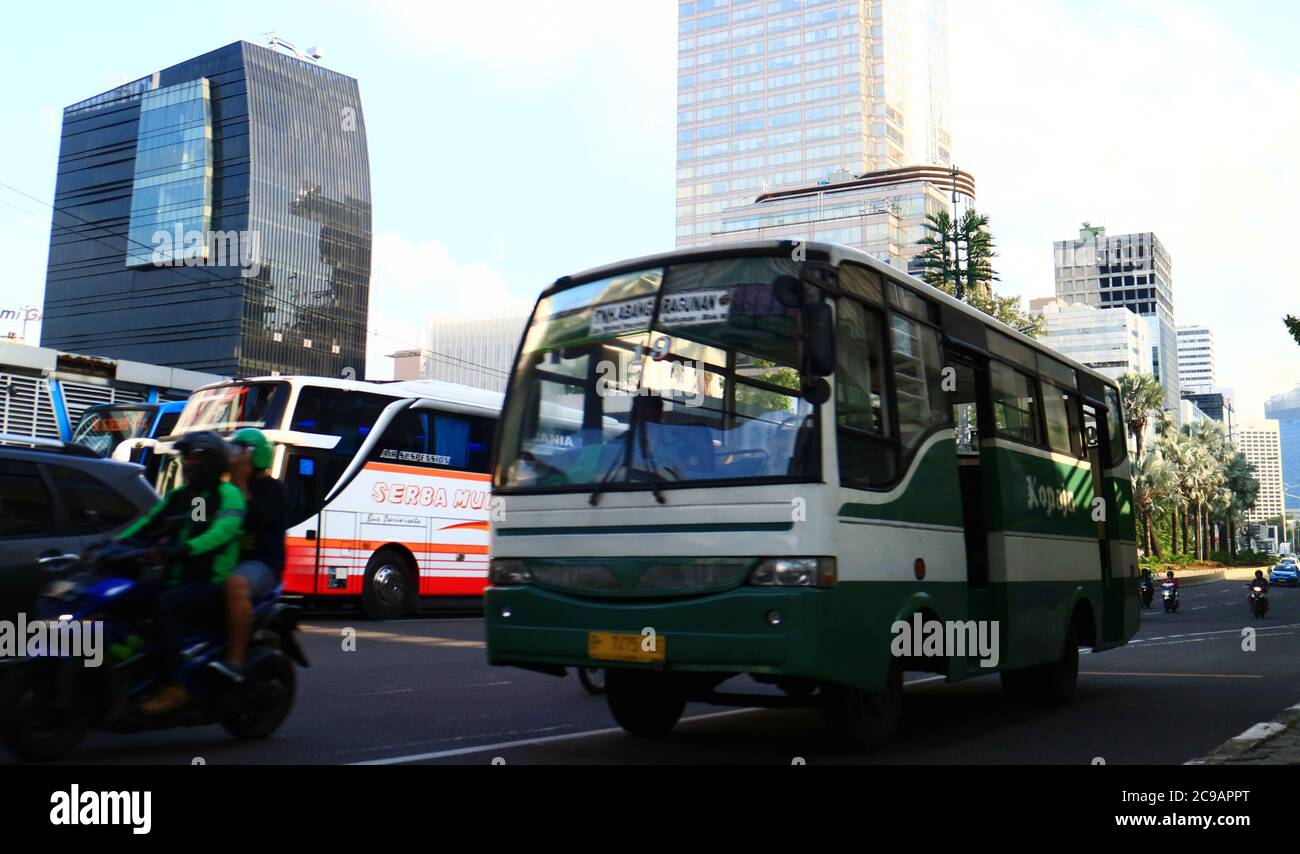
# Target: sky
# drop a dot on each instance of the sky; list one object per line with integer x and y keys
{"x": 517, "y": 141}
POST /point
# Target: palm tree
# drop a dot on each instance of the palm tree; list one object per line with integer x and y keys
{"x": 1152, "y": 485}
{"x": 1140, "y": 395}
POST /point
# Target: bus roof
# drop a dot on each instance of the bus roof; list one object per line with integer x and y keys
{"x": 834, "y": 253}
{"x": 436, "y": 390}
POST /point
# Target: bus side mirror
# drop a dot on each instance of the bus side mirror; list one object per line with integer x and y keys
{"x": 819, "y": 338}
{"x": 788, "y": 291}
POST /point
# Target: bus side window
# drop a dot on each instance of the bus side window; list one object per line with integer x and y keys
{"x": 1015, "y": 408}
{"x": 866, "y": 455}
{"x": 1062, "y": 411}
{"x": 1112, "y": 425}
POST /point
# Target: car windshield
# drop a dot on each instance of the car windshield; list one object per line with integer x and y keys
{"x": 676, "y": 374}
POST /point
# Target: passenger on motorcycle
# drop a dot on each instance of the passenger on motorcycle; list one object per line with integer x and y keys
{"x": 1259, "y": 581}
{"x": 262, "y": 548}
{"x": 202, "y": 521}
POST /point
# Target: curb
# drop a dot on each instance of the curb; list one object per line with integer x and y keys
{"x": 1275, "y": 742}
{"x": 1200, "y": 578}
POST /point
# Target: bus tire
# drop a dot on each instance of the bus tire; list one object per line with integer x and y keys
{"x": 1050, "y": 684}
{"x": 863, "y": 721}
{"x": 389, "y": 589}
{"x": 645, "y": 703}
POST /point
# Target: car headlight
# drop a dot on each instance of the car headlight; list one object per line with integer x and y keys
{"x": 507, "y": 571}
{"x": 794, "y": 572}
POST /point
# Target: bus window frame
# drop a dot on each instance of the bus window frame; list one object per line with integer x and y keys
{"x": 903, "y": 458}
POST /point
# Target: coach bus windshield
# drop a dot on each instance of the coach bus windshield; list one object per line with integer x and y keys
{"x": 102, "y": 428}
{"x": 226, "y": 408}
{"x": 660, "y": 376}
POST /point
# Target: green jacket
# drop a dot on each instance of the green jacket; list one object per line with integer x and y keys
{"x": 210, "y": 531}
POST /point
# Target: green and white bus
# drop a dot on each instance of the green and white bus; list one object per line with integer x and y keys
{"x": 789, "y": 456}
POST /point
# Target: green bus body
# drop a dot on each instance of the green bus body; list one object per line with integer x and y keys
{"x": 1055, "y": 561}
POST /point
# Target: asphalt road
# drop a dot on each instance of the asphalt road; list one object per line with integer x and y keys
{"x": 420, "y": 690}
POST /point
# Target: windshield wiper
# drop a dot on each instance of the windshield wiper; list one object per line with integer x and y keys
{"x": 634, "y": 419}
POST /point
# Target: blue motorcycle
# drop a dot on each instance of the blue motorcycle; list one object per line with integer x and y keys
{"x": 49, "y": 701}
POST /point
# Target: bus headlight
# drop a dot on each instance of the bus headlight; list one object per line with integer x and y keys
{"x": 794, "y": 572}
{"x": 507, "y": 571}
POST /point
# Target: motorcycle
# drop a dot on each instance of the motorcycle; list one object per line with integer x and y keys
{"x": 1146, "y": 591}
{"x": 49, "y": 700}
{"x": 1258, "y": 600}
{"x": 1169, "y": 591}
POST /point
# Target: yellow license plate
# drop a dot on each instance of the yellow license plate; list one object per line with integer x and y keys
{"x": 626, "y": 646}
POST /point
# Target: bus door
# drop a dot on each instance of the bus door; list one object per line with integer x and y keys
{"x": 1113, "y": 594}
{"x": 307, "y": 563}
{"x": 969, "y": 395}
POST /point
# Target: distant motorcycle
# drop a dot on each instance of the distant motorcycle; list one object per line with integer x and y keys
{"x": 1147, "y": 592}
{"x": 1258, "y": 600}
{"x": 1169, "y": 591}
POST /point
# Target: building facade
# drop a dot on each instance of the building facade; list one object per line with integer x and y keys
{"x": 881, "y": 213}
{"x": 1129, "y": 271}
{"x": 215, "y": 216}
{"x": 1259, "y": 444}
{"x": 774, "y": 94}
{"x": 1196, "y": 373}
{"x": 478, "y": 353}
{"x": 1285, "y": 409}
{"x": 1216, "y": 404}
{"x": 1111, "y": 341}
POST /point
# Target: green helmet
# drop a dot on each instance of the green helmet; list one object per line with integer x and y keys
{"x": 251, "y": 437}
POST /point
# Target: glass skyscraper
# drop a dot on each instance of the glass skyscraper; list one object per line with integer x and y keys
{"x": 215, "y": 216}
{"x": 775, "y": 94}
{"x": 1285, "y": 409}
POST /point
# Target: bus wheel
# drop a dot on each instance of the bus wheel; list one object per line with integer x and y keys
{"x": 388, "y": 590}
{"x": 864, "y": 720}
{"x": 1050, "y": 684}
{"x": 644, "y": 702}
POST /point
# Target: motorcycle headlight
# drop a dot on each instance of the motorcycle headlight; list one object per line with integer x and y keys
{"x": 795, "y": 572}
{"x": 508, "y": 571}
{"x": 59, "y": 589}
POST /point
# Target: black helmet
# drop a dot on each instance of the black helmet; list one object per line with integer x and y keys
{"x": 1169, "y": 574}
{"x": 214, "y": 457}
{"x": 1259, "y": 573}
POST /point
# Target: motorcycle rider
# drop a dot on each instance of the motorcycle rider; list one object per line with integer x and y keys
{"x": 262, "y": 547}
{"x": 202, "y": 521}
{"x": 1259, "y": 581}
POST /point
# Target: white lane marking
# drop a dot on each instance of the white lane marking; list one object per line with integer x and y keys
{"x": 925, "y": 679}
{"x": 1218, "y": 632}
{"x": 549, "y": 739}
{"x": 1203, "y": 607}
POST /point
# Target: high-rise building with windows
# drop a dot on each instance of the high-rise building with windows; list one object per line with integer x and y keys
{"x": 1196, "y": 373}
{"x": 1259, "y": 444}
{"x": 1285, "y": 409}
{"x": 1113, "y": 342}
{"x": 215, "y": 216}
{"x": 777, "y": 94}
{"x": 1129, "y": 271}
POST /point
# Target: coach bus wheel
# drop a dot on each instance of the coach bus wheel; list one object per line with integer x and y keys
{"x": 388, "y": 590}
{"x": 864, "y": 720}
{"x": 644, "y": 702}
{"x": 1051, "y": 684}
{"x": 592, "y": 679}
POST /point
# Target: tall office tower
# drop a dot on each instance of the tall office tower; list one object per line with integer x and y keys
{"x": 775, "y": 94}
{"x": 1259, "y": 444}
{"x": 1195, "y": 359}
{"x": 1285, "y": 409}
{"x": 215, "y": 216}
{"x": 1125, "y": 271}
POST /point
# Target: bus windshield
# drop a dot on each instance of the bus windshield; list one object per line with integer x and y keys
{"x": 660, "y": 376}
{"x": 102, "y": 428}
{"x": 226, "y": 408}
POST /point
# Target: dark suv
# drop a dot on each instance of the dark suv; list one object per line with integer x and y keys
{"x": 55, "y": 499}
